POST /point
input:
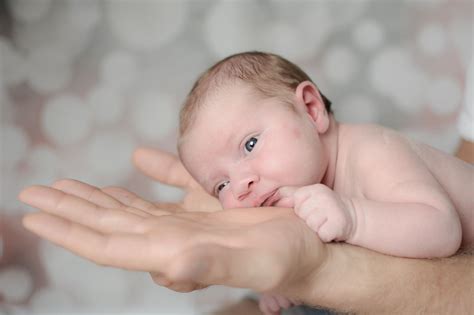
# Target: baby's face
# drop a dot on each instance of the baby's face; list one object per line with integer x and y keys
{"x": 243, "y": 147}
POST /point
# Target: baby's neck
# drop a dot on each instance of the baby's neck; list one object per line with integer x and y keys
{"x": 331, "y": 143}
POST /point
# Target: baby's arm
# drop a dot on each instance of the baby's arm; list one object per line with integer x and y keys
{"x": 404, "y": 211}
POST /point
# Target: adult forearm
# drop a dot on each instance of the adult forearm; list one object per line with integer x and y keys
{"x": 361, "y": 281}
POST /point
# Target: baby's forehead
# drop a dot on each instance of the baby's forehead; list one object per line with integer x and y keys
{"x": 221, "y": 94}
{"x": 199, "y": 156}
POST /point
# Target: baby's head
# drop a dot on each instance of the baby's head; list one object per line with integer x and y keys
{"x": 252, "y": 123}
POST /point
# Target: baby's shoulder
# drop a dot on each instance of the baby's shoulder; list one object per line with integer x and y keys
{"x": 364, "y": 146}
{"x": 365, "y": 136}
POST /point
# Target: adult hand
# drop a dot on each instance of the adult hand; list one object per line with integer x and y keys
{"x": 168, "y": 169}
{"x": 265, "y": 249}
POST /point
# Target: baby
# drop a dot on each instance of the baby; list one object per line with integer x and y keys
{"x": 256, "y": 132}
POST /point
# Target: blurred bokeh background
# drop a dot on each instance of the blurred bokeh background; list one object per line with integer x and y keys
{"x": 84, "y": 82}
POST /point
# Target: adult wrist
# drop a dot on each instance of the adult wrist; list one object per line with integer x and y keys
{"x": 344, "y": 282}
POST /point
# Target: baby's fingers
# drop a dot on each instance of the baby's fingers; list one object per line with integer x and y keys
{"x": 269, "y": 305}
{"x": 283, "y": 302}
{"x": 286, "y": 197}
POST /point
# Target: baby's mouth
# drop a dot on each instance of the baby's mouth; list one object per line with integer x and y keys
{"x": 271, "y": 200}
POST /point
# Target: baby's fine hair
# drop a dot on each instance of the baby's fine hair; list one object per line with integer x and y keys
{"x": 270, "y": 74}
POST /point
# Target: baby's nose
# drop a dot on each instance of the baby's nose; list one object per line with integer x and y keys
{"x": 241, "y": 187}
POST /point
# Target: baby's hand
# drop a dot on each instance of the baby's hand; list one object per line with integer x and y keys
{"x": 327, "y": 213}
{"x": 271, "y": 304}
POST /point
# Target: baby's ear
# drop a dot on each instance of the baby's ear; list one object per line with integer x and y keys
{"x": 309, "y": 99}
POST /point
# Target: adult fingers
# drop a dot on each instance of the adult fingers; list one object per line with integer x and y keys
{"x": 122, "y": 250}
{"x": 199, "y": 200}
{"x": 133, "y": 201}
{"x": 87, "y": 192}
{"x": 163, "y": 167}
{"x": 96, "y": 195}
{"x": 81, "y": 211}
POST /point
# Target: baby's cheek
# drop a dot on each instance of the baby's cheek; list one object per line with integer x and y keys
{"x": 296, "y": 133}
{"x": 227, "y": 201}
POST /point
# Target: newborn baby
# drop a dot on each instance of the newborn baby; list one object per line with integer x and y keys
{"x": 255, "y": 131}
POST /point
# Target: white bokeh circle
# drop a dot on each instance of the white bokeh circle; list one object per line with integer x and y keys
{"x": 106, "y": 104}
{"x": 28, "y": 11}
{"x": 296, "y": 32}
{"x": 108, "y": 154}
{"x": 283, "y": 39}
{"x": 66, "y": 31}
{"x": 48, "y": 70}
{"x": 432, "y": 39}
{"x": 109, "y": 288}
{"x": 42, "y": 163}
{"x": 340, "y": 64}
{"x": 65, "y": 120}
{"x": 14, "y": 142}
{"x": 13, "y": 67}
{"x": 55, "y": 300}
{"x": 368, "y": 35}
{"x": 344, "y": 13}
{"x": 147, "y": 24}
{"x": 461, "y": 35}
{"x": 16, "y": 284}
{"x": 444, "y": 95}
{"x": 357, "y": 109}
{"x": 119, "y": 69}
{"x": 394, "y": 74}
{"x": 155, "y": 115}
{"x": 444, "y": 138}
{"x": 230, "y": 27}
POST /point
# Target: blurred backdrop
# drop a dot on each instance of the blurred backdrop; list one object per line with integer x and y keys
{"x": 84, "y": 82}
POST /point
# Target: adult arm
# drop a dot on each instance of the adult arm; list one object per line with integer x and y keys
{"x": 362, "y": 281}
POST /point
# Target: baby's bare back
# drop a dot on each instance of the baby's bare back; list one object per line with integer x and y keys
{"x": 372, "y": 161}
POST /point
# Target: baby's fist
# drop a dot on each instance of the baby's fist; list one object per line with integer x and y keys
{"x": 327, "y": 213}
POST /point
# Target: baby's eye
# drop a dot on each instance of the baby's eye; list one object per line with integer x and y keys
{"x": 250, "y": 144}
{"x": 220, "y": 187}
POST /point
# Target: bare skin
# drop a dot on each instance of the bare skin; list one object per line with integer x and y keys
{"x": 308, "y": 270}
{"x": 362, "y": 184}
{"x": 466, "y": 151}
